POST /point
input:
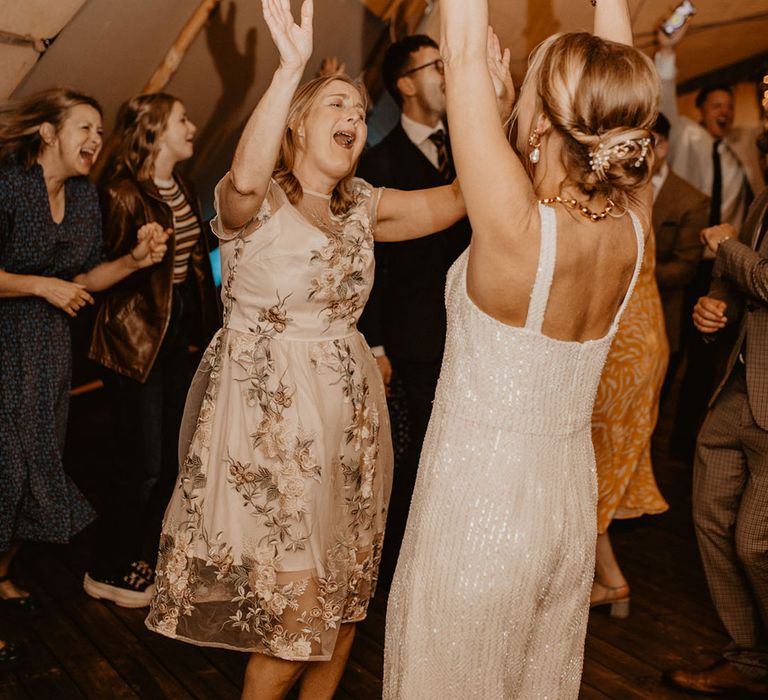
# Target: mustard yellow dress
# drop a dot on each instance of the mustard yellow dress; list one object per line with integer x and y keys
{"x": 627, "y": 405}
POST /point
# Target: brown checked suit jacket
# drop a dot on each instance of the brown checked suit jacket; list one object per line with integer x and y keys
{"x": 740, "y": 278}
{"x": 680, "y": 212}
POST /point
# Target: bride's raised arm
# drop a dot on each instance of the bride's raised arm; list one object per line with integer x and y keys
{"x": 496, "y": 188}
{"x": 612, "y": 21}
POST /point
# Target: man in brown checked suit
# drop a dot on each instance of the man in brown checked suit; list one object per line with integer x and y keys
{"x": 680, "y": 212}
{"x": 730, "y": 481}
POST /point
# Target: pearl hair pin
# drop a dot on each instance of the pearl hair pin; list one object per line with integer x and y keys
{"x": 601, "y": 157}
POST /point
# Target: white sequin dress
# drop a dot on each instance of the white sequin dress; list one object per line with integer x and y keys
{"x": 491, "y": 593}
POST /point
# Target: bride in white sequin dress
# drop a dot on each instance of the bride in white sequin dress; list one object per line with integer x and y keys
{"x": 491, "y": 593}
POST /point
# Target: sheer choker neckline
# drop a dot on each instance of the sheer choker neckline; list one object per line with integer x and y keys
{"x": 316, "y": 194}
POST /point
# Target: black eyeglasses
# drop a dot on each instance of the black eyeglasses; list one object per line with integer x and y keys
{"x": 437, "y": 63}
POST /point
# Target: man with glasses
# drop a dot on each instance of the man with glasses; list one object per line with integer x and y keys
{"x": 404, "y": 321}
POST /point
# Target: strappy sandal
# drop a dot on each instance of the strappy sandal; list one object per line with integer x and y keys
{"x": 20, "y": 606}
{"x": 615, "y": 596}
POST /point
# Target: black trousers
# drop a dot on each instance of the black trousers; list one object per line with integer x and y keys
{"x": 419, "y": 381}
{"x": 147, "y": 418}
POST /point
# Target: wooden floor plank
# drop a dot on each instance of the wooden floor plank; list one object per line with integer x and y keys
{"x": 11, "y": 687}
{"x": 186, "y": 662}
{"x": 91, "y": 672}
{"x": 99, "y": 623}
{"x": 641, "y": 675}
{"x": 41, "y": 675}
{"x": 589, "y": 693}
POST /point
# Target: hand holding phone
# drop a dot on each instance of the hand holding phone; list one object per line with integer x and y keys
{"x": 678, "y": 18}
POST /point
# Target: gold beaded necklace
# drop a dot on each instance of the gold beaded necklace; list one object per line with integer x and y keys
{"x": 571, "y": 203}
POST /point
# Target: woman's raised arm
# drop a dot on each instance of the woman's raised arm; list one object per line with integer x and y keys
{"x": 496, "y": 187}
{"x": 613, "y": 21}
{"x": 243, "y": 190}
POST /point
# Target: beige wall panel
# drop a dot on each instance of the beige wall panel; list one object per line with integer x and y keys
{"x": 40, "y": 18}
{"x": 110, "y": 49}
{"x": 15, "y": 63}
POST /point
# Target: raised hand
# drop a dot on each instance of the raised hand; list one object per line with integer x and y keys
{"x": 331, "y": 65}
{"x": 70, "y": 297}
{"x": 668, "y": 43}
{"x": 293, "y": 41}
{"x": 152, "y": 245}
{"x": 498, "y": 67}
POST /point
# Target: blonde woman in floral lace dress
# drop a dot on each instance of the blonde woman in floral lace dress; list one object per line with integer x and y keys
{"x": 271, "y": 542}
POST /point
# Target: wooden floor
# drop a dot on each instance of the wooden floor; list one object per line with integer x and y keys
{"x": 83, "y": 648}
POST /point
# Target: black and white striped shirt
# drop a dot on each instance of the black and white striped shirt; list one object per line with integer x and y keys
{"x": 185, "y": 225}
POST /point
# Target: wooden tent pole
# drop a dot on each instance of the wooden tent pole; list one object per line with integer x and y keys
{"x": 164, "y": 72}
{"x": 170, "y": 64}
{"x": 402, "y": 15}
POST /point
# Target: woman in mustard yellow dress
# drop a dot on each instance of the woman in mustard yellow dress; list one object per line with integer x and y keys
{"x": 623, "y": 421}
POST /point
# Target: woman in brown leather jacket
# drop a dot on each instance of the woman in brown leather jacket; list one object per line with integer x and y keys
{"x": 142, "y": 336}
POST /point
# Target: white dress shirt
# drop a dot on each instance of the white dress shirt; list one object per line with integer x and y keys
{"x": 690, "y": 151}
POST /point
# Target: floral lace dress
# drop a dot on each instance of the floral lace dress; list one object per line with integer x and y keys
{"x": 273, "y": 535}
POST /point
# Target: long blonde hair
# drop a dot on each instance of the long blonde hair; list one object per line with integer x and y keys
{"x": 302, "y": 103}
{"x": 20, "y": 121}
{"x": 141, "y": 122}
{"x": 601, "y": 96}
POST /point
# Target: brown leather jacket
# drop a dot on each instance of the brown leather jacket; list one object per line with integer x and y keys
{"x": 134, "y": 314}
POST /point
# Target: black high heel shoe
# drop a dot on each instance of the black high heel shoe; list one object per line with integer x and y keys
{"x": 20, "y": 606}
{"x": 10, "y": 657}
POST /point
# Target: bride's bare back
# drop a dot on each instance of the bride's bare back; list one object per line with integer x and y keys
{"x": 593, "y": 269}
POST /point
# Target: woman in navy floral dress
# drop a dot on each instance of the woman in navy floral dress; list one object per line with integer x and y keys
{"x": 50, "y": 259}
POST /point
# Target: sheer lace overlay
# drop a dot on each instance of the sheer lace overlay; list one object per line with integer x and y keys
{"x": 273, "y": 536}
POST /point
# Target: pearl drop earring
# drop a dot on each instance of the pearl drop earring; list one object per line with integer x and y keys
{"x": 535, "y": 142}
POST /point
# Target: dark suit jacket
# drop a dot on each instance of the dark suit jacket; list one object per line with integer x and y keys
{"x": 406, "y": 310}
{"x": 740, "y": 278}
{"x": 680, "y": 212}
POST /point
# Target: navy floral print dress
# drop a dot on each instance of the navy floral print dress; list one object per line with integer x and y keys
{"x": 38, "y": 501}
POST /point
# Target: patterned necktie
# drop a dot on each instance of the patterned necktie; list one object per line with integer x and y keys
{"x": 717, "y": 185}
{"x": 443, "y": 162}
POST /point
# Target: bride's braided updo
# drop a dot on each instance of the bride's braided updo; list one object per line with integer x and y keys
{"x": 602, "y": 97}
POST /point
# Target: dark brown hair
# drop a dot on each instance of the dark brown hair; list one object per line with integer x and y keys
{"x": 141, "y": 122}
